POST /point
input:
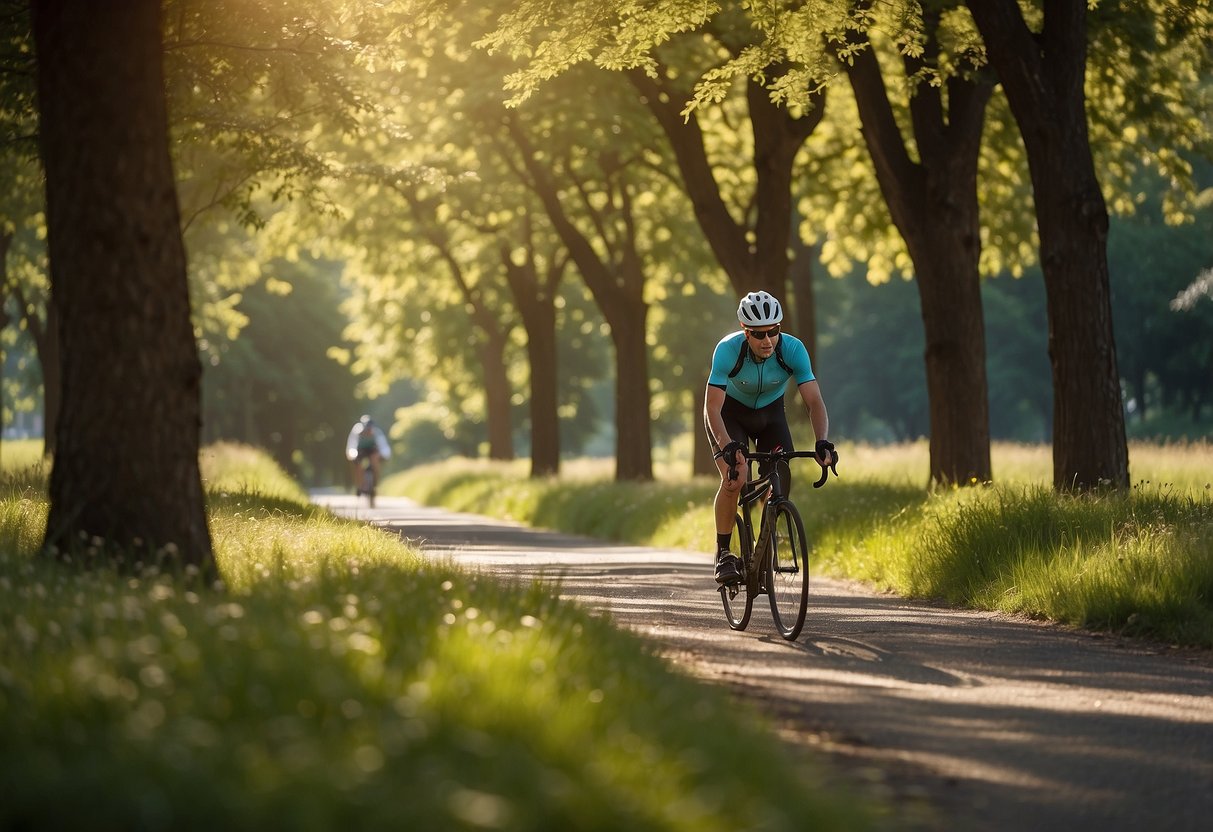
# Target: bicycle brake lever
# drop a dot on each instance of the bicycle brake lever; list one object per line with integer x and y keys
{"x": 825, "y": 474}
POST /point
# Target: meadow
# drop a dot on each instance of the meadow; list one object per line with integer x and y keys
{"x": 334, "y": 679}
{"x": 1139, "y": 562}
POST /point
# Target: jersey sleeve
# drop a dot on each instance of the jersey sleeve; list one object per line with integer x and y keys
{"x": 385, "y": 449}
{"x": 723, "y": 359}
{"x": 351, "y": 442}
{"x": 797, "y": 357}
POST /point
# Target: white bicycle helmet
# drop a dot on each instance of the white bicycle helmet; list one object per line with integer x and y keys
{"x": 759, "y": 309}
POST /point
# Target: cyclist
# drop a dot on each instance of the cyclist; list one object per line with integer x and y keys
{"x": 744, "y": 401}
{"x": 366, "y": 441}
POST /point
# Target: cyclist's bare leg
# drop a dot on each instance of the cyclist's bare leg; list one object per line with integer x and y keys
{"x": 375, "y": 466}
{"x": 727, "y": 495}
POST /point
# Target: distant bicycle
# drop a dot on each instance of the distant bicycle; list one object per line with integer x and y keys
{"x": 367, "y": 483}
{"x": 776, "y": 563}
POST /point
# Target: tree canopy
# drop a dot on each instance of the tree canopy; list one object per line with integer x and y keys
{"x": 521, "y": 226}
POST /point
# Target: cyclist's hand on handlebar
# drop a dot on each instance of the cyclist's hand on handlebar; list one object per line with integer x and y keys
{"x": 730, "y": 454}
{"x": 827, "y": 458}
{"x": 826, "y": 455}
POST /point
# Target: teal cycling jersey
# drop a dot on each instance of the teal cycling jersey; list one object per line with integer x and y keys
{"x": 758, "y": 383}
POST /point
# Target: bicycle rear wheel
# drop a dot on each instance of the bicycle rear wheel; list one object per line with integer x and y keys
{"x": 738, "y": 600}
{"x": 788, "y": 572}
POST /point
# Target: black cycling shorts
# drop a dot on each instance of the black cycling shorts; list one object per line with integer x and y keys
{"x": 766, "y": 426}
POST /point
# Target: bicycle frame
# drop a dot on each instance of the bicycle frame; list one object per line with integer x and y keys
{"x": 775, "y": 563}
{"x": 753, "y": 492}
{"x": 368, "y": 483}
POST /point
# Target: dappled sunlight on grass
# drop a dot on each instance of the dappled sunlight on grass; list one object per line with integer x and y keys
{"x": 335, "y": 679}
{"x": 256, "y": 543}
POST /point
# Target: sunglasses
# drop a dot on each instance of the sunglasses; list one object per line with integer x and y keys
{"x": 763, "y": 334}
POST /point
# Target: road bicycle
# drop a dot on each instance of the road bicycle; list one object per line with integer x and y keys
{"x": 776, "y": 563}
{"x": 367, "y": 482}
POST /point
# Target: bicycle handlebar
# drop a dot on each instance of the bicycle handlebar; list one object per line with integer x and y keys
{"x": 781, "y": 456}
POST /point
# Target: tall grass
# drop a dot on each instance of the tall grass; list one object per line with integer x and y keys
{"x": 20, "y": 454}
{"x": 230, "y": 469}
{"x": 336, "y": 680}
{"x": 1137, "y": 562}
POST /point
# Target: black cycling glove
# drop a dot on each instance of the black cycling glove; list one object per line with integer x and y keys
{"x": 824, "y": 445}
{"x": 729, "y": 452}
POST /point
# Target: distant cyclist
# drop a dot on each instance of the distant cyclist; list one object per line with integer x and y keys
{"x": 366, "y": 441}
{"x": 744, "y": 401}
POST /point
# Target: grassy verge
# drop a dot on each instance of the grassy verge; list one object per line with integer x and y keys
{"x": 335, "y": 680}
{"x": 20, "y": 454}
{"x": 1139, "y": 563}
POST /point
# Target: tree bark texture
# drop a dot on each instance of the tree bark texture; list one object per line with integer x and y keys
{"x": 1043, "y": 76}
{"x": 126, "y": 460}
{"x": 536, "y": 302}
{"x": 934, "y": 205}
{"x": 544, "y": 407}
{"x": 633, "y": 441}
{"x": 497, "y": 394}
{"x": 800, "y": 274}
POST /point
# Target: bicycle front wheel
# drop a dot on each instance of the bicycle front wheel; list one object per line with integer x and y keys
{"x": 788, "y": 572}
{"x": 738, "y": 600}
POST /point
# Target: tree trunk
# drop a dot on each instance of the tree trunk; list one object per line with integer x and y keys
{"x": 126, "y": 460}
{"x": 804, "y": 299}
{"x": 52, "y": 379}
{"x": 1089, "y": 445}
{"x": 497, "y": 395}
{"x": 953, "y": 323}
{"x": 1043, "y": 76}
{"x": 545, "y": 421}
{"x": 633, "y": 439}
{"x": 536, "y": 302}
{"x": 934, "y": 205}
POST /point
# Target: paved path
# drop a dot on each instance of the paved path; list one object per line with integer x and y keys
{"x": 966, "y": 720}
